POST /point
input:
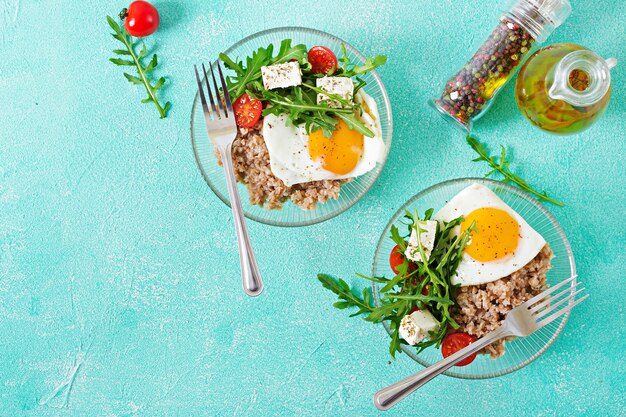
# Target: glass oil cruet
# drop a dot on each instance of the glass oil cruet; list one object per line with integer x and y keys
{"x": 523, "y": 25}
{"x": 564, "y": 88}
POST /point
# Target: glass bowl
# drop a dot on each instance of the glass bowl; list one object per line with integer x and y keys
{"x": 521, "y": 351}
{"x": 290, "y": 214}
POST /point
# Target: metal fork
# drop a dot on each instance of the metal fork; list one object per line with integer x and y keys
{"x": 521, "y": 321}
{"x": 221, "y": 128}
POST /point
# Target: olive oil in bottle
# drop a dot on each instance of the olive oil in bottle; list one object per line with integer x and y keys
{"x": 564, "y": 88}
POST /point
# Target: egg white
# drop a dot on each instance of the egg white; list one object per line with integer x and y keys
{"x": 289, "y": 154}
{"x": 473, "y": 272}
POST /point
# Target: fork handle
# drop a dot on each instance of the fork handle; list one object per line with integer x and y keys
{"x": 250, "y": 274}
{"x": 393, "y": 394}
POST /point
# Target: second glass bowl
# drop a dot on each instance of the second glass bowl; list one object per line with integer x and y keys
{"x": 521, "y": 351}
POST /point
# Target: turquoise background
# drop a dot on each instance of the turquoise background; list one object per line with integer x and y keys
{"x": 120, "y": 292}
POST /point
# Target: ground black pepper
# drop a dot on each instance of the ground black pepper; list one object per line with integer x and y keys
{"x": 468, "y": 93}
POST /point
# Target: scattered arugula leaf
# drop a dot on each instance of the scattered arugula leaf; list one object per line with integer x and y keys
{"x": 346, "y": 296}
{"x": 502, "y": 166}
{"x": 136, "y": 61}
{"x": 398, "y": 295}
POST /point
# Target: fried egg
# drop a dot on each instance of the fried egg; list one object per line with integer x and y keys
{"x": 297, "y": 157}
{"x": 502, "y": 243}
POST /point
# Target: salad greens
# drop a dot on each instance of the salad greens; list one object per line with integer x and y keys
{"x": 421, "y": 285}
{"x": 300, "y": 102}
{"x": 134, "y": 59}
{"x": 502, "y": 166}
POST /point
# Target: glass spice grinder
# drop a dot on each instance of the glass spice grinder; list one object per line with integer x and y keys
{"x": 469, "y": 93}
{"x": 564, "y": 88}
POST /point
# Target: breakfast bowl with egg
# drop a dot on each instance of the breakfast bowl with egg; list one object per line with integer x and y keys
{"x": 451, "y": 263}
{"x": 509, "y": 249}
{"x": 314, "y": 126}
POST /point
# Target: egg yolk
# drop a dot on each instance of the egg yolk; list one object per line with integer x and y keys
{"x": 496, "y": 234}
{"x": 341, "y": 152}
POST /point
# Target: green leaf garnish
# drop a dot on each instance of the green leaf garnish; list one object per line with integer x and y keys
{"x": 135, "y": 60}
{"x": 502, "y": 167}
{"x": 346, "y": 296}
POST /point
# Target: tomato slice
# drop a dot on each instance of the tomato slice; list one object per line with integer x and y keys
{"x": 454, "y": 342}
{"x": 247, "y": 110}
{"x": 323, "y": 60}
{"x": 396, "y": 258}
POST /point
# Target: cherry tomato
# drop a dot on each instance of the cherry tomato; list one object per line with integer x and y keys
{"x": 396, "y": 258}
{"x": 454, "y": 342}
{"x": 323, "y": 60}
{"x": 141, "y": 19}
{"x": 247, "y": 110}
{"x": 414, "y": 309}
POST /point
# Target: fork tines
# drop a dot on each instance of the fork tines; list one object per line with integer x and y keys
{"x": 545, "y": 303}
{"x": 224, "y": 106}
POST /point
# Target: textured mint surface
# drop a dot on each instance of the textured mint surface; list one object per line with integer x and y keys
{"x": 120, "y": 291}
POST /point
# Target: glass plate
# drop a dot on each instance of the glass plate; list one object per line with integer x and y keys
{"x": 290, "y": 214}
{"x": 521, "y": 351}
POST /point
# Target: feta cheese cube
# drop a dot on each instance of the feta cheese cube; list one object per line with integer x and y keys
{"x": 427, "y": 239}
{"x": 281, "y": 75}
{"x": 414, "y": 327}
{"x": 341, "y": 86}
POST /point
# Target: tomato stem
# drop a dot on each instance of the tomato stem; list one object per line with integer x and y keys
{"x": 123, "y": 14}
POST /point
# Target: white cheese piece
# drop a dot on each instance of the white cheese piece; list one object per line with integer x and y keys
{"x": 281, "y": 75}
{"x": 414, "y": 327}
{"x": 427, "y": 238}
{"x": 340, "y": 86}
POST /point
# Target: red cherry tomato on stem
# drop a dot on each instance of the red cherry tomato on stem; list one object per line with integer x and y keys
{"x": 322, "y": 60}
{"x": 247, "y": 110}
{"x": 454, "y": 342}
{"x": 140, "y": 19}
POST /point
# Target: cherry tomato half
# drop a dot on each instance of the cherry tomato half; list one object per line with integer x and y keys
{"x": 141, "y": 19}
{"x": 323, "y": 60}
{"x": 454, "y": 342}
{"x": 396, "y": 258}
{"x": 247, "y": 110}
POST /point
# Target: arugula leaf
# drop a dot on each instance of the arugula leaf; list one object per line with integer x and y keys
{"x": 235, "y": 66}
{"x": 355, "y": 123}
{"x": 502, "y": 167}
{"x": 121, "y": 35}
{"x": 245, "y": 75}
{"x": 399, "y": 240}
{"x": 369, "y": 65}
{"x": 286, "y": 52}
{"x": 396, "y": 341}
{"x": 346, "y": 297}
{"x": 420, "y": 297}
{"x": 300, "y": 108}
